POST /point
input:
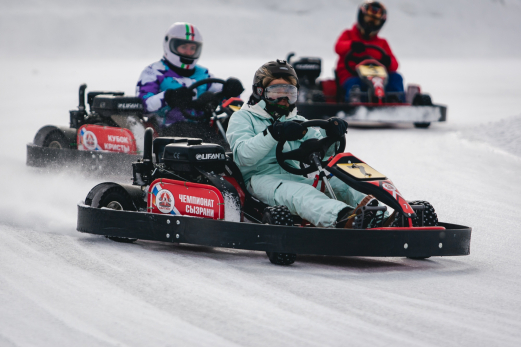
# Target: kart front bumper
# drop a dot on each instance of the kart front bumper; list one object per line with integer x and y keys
{"x": 398, "y": 113}
{"x": 89, "y": 161}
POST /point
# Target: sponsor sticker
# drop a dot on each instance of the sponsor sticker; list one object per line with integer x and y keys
{"x": 165, "y": 201}
{"x": 210, "y": 156}
{"x": 89, "y": 140}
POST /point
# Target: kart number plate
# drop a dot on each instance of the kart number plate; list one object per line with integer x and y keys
{"x": 361, "y": 171}
{"x": 372, "y": 70}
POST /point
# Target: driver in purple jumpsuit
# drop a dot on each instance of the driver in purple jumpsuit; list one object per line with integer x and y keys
{"x": 163, "y": 85}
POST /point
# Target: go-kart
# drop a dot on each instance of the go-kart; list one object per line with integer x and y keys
{"x": 193, "y": 192}
{"x": 109, "y": 138}
{"x": 322, "y": 99}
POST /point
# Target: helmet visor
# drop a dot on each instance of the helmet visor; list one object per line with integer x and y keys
{"x": 186, "y": 48}
{"x": 277, "y": 92}
{"x": 372, "y": 20}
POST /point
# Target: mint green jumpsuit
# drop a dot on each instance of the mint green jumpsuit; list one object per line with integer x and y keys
{"x": 254, "y": 154}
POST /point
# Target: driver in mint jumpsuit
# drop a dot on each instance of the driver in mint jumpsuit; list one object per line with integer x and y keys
{"x": 253, "y": 133}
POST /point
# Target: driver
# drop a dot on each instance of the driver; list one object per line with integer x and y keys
{"x": 253, "y": 133}
{"x": 162, "y": 86}
{"x": 371, "y": 17}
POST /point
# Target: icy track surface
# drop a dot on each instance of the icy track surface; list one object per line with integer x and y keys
{"x": 59, "y": 287}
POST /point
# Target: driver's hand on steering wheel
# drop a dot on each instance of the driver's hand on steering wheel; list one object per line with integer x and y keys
{"x": 386, "y": 60}
{"x": 179, "y": 98}
{"x": 357, "y": 46}
{"x": 207, "y": 101}
{"x": 336, "y": 128}
{"x": 232, "y": 88}
{"x": 287, "y": 131}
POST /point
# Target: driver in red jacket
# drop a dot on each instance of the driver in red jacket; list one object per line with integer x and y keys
{"x": 371, "y": 18}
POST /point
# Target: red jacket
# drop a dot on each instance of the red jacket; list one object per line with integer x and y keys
{"x": 343, "y": 45}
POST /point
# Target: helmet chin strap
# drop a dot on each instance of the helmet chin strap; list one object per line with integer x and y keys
{"x": 187, "y": 61}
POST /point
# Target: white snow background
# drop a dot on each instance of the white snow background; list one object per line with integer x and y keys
{"x": 60, "y": 288}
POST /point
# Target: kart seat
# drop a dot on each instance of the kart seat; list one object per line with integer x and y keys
{"x": 253, "y": 207}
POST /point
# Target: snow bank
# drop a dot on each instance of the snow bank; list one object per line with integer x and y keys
{"x": 134, "y": 28}
{"x": 504, "y": 134}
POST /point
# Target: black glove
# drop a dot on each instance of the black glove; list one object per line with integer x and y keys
{"x": 289, "y": 131}
{"x": 179, "y": 97}
{"x": 357, "y": 46}
{"x": 386, "y": 60}
{"x": 232, "y": 88}
{"x": 207, "y": 101}
{"x": 336, "y": 128}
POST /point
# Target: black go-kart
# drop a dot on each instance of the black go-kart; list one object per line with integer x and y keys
{"x": 194, "y": 193}
{"x": 322, "y": 99}
{"x": 109, "y": 138}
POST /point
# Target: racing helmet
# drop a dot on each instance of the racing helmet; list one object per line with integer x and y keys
{"x": 371, "y": 18}
{"x": 268, "y": 72}
{"x": 278, "y": 69}
{"x": 182, "y": 45}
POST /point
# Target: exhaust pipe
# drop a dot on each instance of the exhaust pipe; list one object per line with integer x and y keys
{"x": 81, "y": 106}
{"x": 147, "y": 151}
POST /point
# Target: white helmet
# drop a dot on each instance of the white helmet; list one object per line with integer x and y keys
{"x": 179, "y": 34}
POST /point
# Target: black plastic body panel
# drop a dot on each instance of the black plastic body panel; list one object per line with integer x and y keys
{"x": 403, "y": 242}
{"x": 88, "y": 161}
{"x": 322, "y": 110}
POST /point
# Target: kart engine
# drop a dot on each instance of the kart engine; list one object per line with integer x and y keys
{"x": 184, "y": 154}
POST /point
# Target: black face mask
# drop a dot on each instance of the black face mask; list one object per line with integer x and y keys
{"x": 276, "y": 111}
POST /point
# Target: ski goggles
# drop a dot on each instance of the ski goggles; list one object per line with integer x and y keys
{"x": 277, "y": 92}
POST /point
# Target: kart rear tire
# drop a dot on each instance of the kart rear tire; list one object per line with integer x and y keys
{"x": 279, "y": 215}
{"x": 422, "y": 125}
{"x": 418, "y": 258}
{"x": 116, "y": 198}
{"x": 55, "y": 139}
{"x": 422, "y": 100}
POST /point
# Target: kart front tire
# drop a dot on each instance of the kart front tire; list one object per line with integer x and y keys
{"x": 116, "y": 198}
{"x": 279, "y": 215}
{"x": 430, "y": 219}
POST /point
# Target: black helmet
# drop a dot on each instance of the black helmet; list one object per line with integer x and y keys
{"x": 278, "y": 69}
{"x": 371, "y": 17}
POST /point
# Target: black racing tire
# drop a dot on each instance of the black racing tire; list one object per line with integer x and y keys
{"x": 281, "y": 258}
{"x": 422, "y": 100}
{"x": 116, "y": 198}
{"x": 430, "y": 219}
{"x": 279, "y": 215}
{"x": 422, "y": 125}
{"x": 55, "y": 139}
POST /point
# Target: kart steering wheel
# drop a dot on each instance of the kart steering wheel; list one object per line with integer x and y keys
{"x": 350, "y": 57}
{"x": 307, "y": 148}
{"x": 207, "y": 115}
